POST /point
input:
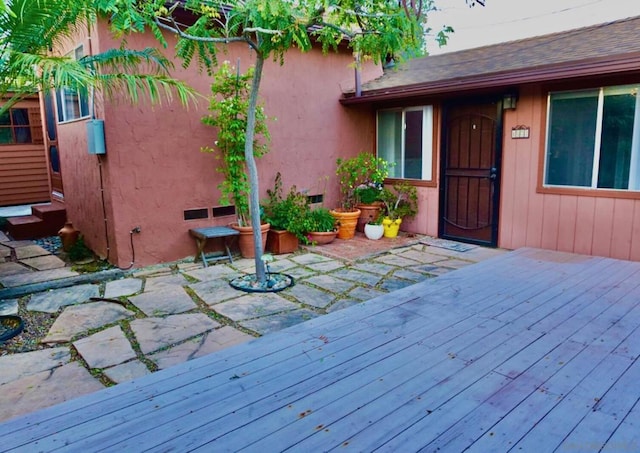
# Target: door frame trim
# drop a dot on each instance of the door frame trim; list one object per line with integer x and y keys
{"x": 446, "y": 105}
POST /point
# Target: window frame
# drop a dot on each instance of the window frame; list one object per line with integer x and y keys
{"x": 81, "y": 98}
{"x": 429, "y": 119}
{"x": 593, "y": 189}
{"x": 12, "y": 126}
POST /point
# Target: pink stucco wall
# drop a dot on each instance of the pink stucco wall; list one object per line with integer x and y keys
{"x": 604, "y": 226}
{"x": 154, "y": 170}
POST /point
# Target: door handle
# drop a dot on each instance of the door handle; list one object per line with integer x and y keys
{"x": 493, "y": 173}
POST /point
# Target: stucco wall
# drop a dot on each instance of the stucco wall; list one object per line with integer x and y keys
{"x": 154, "y": 170}
{"x": 575, "y": 223}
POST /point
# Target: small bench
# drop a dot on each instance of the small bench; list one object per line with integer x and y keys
{"x": 201, "y": 235}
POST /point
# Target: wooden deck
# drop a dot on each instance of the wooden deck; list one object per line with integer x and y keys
{"x": 530, "y": 351}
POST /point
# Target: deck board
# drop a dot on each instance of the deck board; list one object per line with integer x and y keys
{"x": 530, "y": 351}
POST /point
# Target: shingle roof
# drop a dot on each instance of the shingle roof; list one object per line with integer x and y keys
{"x": 603, "y": 48}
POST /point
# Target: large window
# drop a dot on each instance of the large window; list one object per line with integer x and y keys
{"x": 14, "y": 127}
{"x": 593, "y": 139}
{"x": 405, "y": 137}
{"x": 72, "y": 103}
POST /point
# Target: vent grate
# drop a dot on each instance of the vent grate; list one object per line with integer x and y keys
{"x": 193, "y": 214}
{"x": 222, "y": 211}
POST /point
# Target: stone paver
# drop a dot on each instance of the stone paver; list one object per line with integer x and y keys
{"x": 52, "y": 301}
{"x": 342, "y": 304}
{"x": 453, "y": 264}
{"x": 18, "y": 366}
{"x": 11, "y": 281}
{"x": 330, "y": 283}
{"x": 160, "y": 283}
{"x": 310, "y": 258}
{"x": 326, "y": 266}
{"x": 43, "y": 263}
{"x": 30, "y": 251}
{"x": 215, "y": 291}
{"x": 126, "y": 371}
{"x": 365, "y": 293}
{"x": 393, "y": 284}
{"x": 123, "y": 287}
{"x": 210, "y": 342}
{"x": 282, "y": 265}
{"x": 395, "y": 260}
{"x": 45, "y": 389}
{"x": 5, "y": 252}
{"x": 432, "y": 269}
{"x": 410, "y": 275}
{"x": 80, "y": 318}
{"x": 156, "y": 333}
{"x": 278, "y": 321}
{"x": 12, "y": 268}
{"x": 300, "y": 272}
{"x": 311, "y": 296}
{"x": 366, "y": 278}
{"x": 254, "y": 306}
{"x": 9, "y": 307}
{"x": 376, "y": 268}
{"x": 419, "y": 256}
{"x": 169, "y": 301}
{"x": 105, "y": 348}
{"x": 219, "y": 272}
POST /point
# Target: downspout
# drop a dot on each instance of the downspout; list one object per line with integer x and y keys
{"x": 358, "y": 74}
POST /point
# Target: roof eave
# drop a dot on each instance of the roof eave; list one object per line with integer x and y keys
{"x": 584, "y": 68}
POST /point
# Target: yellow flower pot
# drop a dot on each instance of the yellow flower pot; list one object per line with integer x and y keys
{"x": 391, "y": 227}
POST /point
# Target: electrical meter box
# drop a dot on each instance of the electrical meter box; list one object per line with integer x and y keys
{"x": 95, "y": 137}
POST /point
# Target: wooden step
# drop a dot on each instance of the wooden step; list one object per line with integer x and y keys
{"x": 45, "y": 221}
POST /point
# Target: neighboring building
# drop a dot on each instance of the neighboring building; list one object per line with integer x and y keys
{"x": 153, "y": 175}
{"x": 533, "y": 142}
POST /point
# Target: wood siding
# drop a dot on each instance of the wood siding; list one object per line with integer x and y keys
{"x": 589, "y": 223}
{"x": 24, "y": 177}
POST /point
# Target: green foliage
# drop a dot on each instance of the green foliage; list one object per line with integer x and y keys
{"x": 229, "y": 105}
{"x": 79, "y": 250}
{"x": 358, "y": 173}
{"x": 320, "y": 220}
{"x": 401, "y": 201}
{"x": 287, "y": 213}
{"x": 31, "y": 28}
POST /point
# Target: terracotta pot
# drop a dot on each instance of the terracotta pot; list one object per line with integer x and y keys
{"x": 368, "y": 213}
{"x": 391, "y": 227}
{"x": 68, "y": 235}
{"x": 281, "y": 241}
{"x": 373, "y": 232}
{"x": 245, "y": 240}
{"x": 322, "y": 237}
{"x": 347, "y": 221}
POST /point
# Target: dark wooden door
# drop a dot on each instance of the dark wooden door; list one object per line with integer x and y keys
{"x": 470, "y": 172}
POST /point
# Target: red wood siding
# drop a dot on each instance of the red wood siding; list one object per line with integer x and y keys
{"x": 23, "y": 175}
{"x": 596, "y": 225}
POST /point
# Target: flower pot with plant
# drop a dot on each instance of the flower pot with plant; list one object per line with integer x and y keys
{"x": 400, "y": 201}
{"x": 355, "y": 176}
{"x": 374, "y": 229}
{"x": 286, "y": 215}
{"x": 229, "y": 106}
{"x": 321, "y": 227}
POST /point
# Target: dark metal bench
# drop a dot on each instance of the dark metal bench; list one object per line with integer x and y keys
{"x": 201, "y": 235}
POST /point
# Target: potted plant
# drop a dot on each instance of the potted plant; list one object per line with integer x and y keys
{"x": 355, "y": 175}
{"x": 286, "y": 215}
{"x": 321, "y": 227}
{"x": 229, "y": 105}
{"x": 401, "y": 201}
{"x": 374, "y": 229}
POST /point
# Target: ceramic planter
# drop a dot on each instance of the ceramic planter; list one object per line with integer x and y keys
{"x": 373, "y": 232}
{"x": 368, "y": 213}
{"x": 245, "y": 240}
{"x": 281, "y": 241}
{"x": 391, "y": 227}
{"x": 322, "y": 237}
{"x": 347, "y": 221}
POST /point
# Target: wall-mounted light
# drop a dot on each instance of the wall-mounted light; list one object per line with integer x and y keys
{"x": 509, "y": 101}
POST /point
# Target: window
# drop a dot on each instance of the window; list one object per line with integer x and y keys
{"x": 72, "y": 103}
{"x": 14, "y": 127}
{"x": 405, "y": 137}
{"x": 593, "y": 139}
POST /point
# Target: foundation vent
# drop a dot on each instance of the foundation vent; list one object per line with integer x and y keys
{"x": 315, "y": 198}
{"x": 222, "y": 211}
{"x": 193, "y": 214}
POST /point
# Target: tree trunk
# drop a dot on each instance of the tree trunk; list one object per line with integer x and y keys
{"x": 254, "y": 194}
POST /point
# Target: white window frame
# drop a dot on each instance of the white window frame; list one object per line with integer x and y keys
{"x": 63, "y": 113}
{"x": 427, "y": 140}
{"x": 634, "y": 170}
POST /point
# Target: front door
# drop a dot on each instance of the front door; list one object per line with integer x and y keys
{"x": 470, "y": 182}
